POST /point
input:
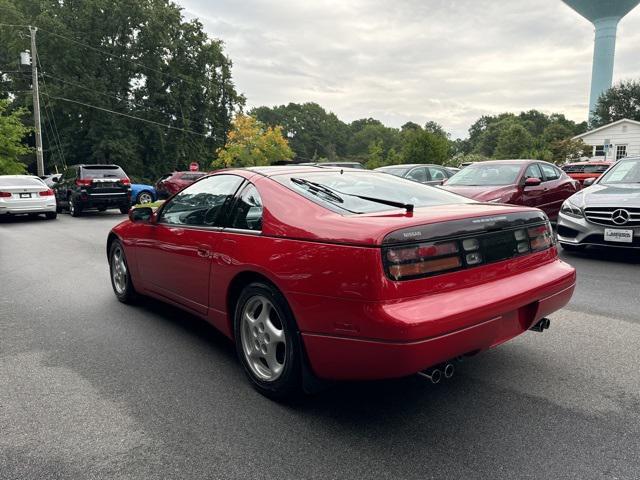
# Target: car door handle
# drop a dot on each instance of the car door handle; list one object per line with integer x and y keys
{"x": 204, "y": 252}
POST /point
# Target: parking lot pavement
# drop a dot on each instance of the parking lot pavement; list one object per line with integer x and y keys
{"x": 91, "y": 388}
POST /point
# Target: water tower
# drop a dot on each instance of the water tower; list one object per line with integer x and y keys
{"x": 605, "y": 15}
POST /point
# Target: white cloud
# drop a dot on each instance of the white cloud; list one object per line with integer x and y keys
{"x": 399, "y": 60}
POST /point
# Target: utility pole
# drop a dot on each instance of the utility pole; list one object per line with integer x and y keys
{"x": 36, "y": 101}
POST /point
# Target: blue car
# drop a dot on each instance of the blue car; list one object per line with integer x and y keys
{"x": 142, "y": 194}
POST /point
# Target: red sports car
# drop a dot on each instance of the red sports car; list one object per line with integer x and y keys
{"x": 342, "y": 274}
{"x": 530, "y": 183}
{"x": 581, "y": 171}
{"x": 172, "y": 183}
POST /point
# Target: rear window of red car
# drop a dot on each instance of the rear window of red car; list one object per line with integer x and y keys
{"x": 341, "y": 191}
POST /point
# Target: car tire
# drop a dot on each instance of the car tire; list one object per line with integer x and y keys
{"x": 119, "y": 274}
{"x": 74, "y": 209}
{"x": 143, "y": 197}
{"x": 58, "y": 208}
{"x": 268, "y": 344}
{"x": 51, "y": 215}
{"x": 124, "y": 210}
{"x": 572, "y": 248}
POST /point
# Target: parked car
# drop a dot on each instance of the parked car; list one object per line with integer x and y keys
{"x": 606, "y": 213}
{"x": 141, "y": 193}
{"x": 580, "y": 171}
{"x": 26, "y": 194}
{"x": 84, "y": 187}
{"x": 370, "y": 276}
{"x": 171, "y": 183}
{"x": 530, "y": 183}
{"x": 50, "y": 180}
{"x": 421, "y": 173}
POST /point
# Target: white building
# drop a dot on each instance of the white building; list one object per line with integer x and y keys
{"x": 614, "y": 141}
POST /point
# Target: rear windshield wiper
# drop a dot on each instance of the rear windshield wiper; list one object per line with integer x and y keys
{"x": 317, "y": 187}
{"x": 335, "y": 194}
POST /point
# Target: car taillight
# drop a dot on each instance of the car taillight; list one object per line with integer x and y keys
{"x": 125, "y": 181}
{"x": 84, "y": 182}
{"x": 422, "y": 259}
{"x": 540, "y": 237}
{"x": 5, "y": 194}
{"x": 46, "y": 193}
{"x": 406, "y": 262}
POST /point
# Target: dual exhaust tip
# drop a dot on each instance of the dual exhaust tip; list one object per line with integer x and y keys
{"x": 437, "y": 373}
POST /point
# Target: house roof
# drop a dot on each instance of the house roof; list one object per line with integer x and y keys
{"x": 624, "y": 120}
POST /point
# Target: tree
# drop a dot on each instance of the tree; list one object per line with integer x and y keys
{"x": 311, "y": 130}
{"x": 620, "y": 101}
{"x": 436, "y": 128}
{"x": 12, "y": 134}
{"x": 106, "y": 61}
{"x": 514, "y": 141}
{"x": 420, "y": 146}
{"x": 569, "y": 150}
{"x": 251, "y": 144}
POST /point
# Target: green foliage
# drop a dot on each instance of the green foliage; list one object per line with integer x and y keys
{"x": 420, "y": 146}
{"x": 568, "y": 150}
{"x": 530, "y": 134}
{"x": 513, "y": 141}
{"x": 251, "y": 144}
{"x": 311, "y": 130}
{"x": 12, "y": 134}
{"x": 140, "y": 59}
{"x": 620, "y": 101}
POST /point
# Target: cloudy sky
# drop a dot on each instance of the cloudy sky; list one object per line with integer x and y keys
{"x": 398, "y": 60}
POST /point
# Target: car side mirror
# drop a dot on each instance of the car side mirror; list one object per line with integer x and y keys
{"x": 141, "y": 214}
{"x": 54, "y": 179}
{"x": 532, "y": 182}
{"x": 588, "y": 182}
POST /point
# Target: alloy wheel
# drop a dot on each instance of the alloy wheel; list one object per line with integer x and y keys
{"x": 118, "y": 271}
{"x": 263, "y": 338}
{"x": 145, "y": 197}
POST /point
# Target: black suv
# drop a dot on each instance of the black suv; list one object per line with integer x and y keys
{"x": 93, "y": 186}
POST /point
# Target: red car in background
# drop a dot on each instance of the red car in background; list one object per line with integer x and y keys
{"x": 171, "y": 183}
{"x": 580, "y": 171}
{"x": 342, "y": 274}
{"x": 530, "y": 183}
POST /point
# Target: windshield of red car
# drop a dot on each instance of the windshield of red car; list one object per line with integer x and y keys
{"x": 340, "y": 188}
{"x": 479, "y": 175}
{"x": 625, "y": 171}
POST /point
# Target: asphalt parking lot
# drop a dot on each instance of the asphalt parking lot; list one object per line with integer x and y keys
{"x": 92, "y": 388}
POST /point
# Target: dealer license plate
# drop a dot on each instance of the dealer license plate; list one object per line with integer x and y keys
{"x": 616, "y": 235}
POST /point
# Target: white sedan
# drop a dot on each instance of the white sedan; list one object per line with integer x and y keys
{"x": 28, "y": 194}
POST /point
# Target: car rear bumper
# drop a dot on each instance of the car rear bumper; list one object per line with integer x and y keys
{"x": 101, "y": 200}
{"x": 579, "y": 231}
{"x": 516, "y": 304}
{"x": 16, "y": 208}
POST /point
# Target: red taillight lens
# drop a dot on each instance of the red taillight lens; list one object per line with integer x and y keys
{"x": 422, "y": 259}
{"x": 125, "y": 181}
{"x": 540, "y": 237}
{"x": 5, "y": 194}
{"x": 84, "y": 182}
{"x": 46, "y": 193}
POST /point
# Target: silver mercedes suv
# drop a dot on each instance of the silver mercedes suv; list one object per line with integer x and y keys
{"x": 607, "y": 213}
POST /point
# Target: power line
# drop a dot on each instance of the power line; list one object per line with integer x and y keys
{"x": 109, "y": 54}
{"x": 55, "y": 124}
{"x": 120, "y": 99}
{"x": 127, "y": 115}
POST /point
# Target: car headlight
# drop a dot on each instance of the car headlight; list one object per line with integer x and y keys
{"x": 570, "y": 209}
